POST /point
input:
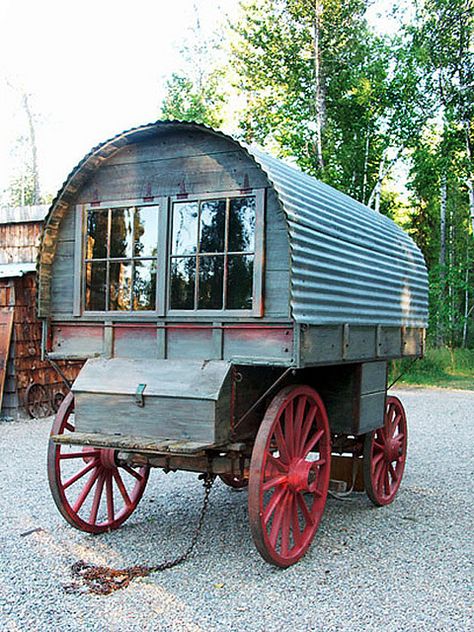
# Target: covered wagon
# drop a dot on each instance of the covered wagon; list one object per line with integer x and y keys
{"x": 237, "y": 317}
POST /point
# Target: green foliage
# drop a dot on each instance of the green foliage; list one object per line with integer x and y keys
{"x": 368, "y": 100}
{"x": 440, "y": 367}
{"x": 184, "y": 101}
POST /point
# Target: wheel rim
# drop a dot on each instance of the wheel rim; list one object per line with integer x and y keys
{"x": 37, "y": 401}
{"x": 289, "y": 475}
{"x": 385, "y": 454}
{"x": 91, "y": 491}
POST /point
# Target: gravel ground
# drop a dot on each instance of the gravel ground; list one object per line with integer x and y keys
{"x": 403, "y": 567}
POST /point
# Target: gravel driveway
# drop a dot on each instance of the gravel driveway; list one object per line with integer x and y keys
{"x": 403, "y": 567}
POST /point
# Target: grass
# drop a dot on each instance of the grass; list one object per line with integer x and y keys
{"x": 448, "y": 368}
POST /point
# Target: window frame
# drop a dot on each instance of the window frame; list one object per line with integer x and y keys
{"x": 257, "y": 284}
{"x": 163, "y": 277}
{"x": 80, "y": 251}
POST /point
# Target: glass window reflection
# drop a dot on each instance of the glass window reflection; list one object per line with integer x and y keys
{"x": 95, "y": 286}
{"x": 239, "y": 281}
{"x": 144, "y": 285}
{"x": 212, "y": 229}
{"x": 211, "y": 277}
{"x": 96, "y": 235}
{"x": 120, "y": 286}
{"x": 242, "y": 225}
{"x": 121, "y": 232}
{"x": 145, "y": 231}
{"x": 184, "y": 237}
{"x": 183, "y": 275}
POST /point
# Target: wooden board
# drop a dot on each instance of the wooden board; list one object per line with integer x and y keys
{"x": 6, "y": 328}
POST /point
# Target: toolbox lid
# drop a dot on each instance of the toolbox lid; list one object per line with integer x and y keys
{"x": 162, "y": 378}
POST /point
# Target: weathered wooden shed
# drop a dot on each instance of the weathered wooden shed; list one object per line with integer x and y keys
{"x": 197, "y": 276}
{"x": 21, "y": 363}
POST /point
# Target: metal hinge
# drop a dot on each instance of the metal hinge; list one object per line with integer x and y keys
{"x": 139, "y": 398}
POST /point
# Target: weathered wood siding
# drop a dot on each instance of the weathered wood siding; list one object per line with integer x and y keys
{"x": 170, "y": 164}
{"x": 19, "y": 242}
{"x": 25, "y": 364}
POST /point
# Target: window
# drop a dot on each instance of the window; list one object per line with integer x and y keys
{"x": 212, "y": 259}
{"x": 120, "y": 262}
{"x": 201, "y": 255}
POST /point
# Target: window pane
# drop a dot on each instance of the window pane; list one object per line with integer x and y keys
{"x": 239, "y": 281}
{"x": 211, "y": 275}
{"x": 144, "y": 285}
{"x": 96, "y": 280}
{"x": 96, "y": 239}
{"x": 212, "y": 229}
{"x": 184, "y": 228}
{"x": 146, "y": 231}
{"x": 183, "y": 274}
{"x": 242, "y": 225}
{"x": 121, "y": 233}
{"x": 120, "y": 281}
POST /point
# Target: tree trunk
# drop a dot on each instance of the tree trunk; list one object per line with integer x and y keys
{"x": 442, "y": 254}
{"x": 442, "y": 225}
{"x": 366, "y": 165}
{"x": 318, "y": 93}
{"x": 34, "y": 152}
{"x": 470, "y": 176}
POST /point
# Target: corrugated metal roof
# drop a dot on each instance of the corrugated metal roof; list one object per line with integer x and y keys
{"x": 11, "y": 270}
{"x": 349, "y": 264}
{"x": 23, "y": 214}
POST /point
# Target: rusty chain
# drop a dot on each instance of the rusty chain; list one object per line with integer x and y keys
{"x": 103, "y": 580}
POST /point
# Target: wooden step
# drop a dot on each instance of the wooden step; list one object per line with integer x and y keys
{"x": 133, "y": 444}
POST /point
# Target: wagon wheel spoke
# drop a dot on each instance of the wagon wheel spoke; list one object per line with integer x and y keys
{"x": 295, "y": 523}
{"x": 85, "y": 491}
{"x": 312, "y": 443}
{"x": 121, "y": 486}
{"x": 273, "y": 503}
{"x": 80, "y": 474}
{"x": 282, "y": 521}
{"x": 97, "y": 497}
{"x": 132, "y": 472}
{"x": 281, "y": 445}
{"x": 283, "y": 467}
{"x": 385, "y": 455}
{"x": 308, "y": 422}
{"x": 304, "y": 509}
{"x": 110, "y": 497}
{"x": 274, "y": 482}
{"x": 78, "y": 455}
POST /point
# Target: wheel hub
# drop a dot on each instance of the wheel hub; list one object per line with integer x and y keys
{"x": 300, "y": 475}
{"x": 393, "y": 450}
{"x": 106, "y": 457}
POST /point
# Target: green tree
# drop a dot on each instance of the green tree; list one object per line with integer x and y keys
{"x": 195, "y": 93}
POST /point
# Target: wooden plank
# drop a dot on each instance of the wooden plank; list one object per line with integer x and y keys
{"x": 260, "y": 344}
{"x": 161, "y": 417}
{"x": 133, "y": 443}
{"x": 136, "y": 342}
{"x": 164, "y": 146}
{"x": 164, "y": 378}
{"x": 229, "y": 171}
{"x": 6, "y": 328}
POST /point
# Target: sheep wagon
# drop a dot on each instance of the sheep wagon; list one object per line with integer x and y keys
{"x": 236, "y": 318}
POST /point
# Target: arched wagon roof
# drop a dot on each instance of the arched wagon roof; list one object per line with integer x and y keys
{"x": 349, "y": 264}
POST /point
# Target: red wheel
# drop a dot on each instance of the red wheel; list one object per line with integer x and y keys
{"x": 385, "y": 451}
{"x": 289, "y": 475}
{"x": 91, "y": 491}
{"x": 234, "y": 480}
